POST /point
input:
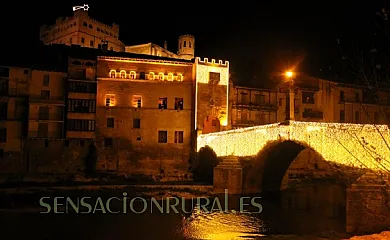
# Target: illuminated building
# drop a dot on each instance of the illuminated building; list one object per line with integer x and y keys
{"x": 149, "y": 108}
{"x": 315, "y": 100}
{"x": 186, "y": 49}
{"x": 252, "y": 106}
{"x": 13, "y": 109}
{"x": 82, "y": 30}
{"x": 141, "y": 112}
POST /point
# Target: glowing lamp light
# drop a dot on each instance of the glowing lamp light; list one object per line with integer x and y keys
{"x": 223, "y": 121}
{"x": 289, "y": 74}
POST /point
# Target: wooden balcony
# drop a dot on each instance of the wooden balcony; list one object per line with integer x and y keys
{"x": 253, "y": 105}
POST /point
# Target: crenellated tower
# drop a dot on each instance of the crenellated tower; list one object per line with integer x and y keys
{"x": 212, "y": 95}
{"x": 186, "y": 47}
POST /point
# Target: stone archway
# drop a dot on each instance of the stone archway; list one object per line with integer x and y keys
{"x": 265, "y": 171}
{"x": 295, "y": 180}
{"x": 281, "y": 165}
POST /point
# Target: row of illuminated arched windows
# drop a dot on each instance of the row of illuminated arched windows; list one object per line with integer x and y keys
{"x": 151, "y": 76}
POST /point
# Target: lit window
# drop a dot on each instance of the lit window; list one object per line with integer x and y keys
{"x": 178, "y": 103}
{"x": 170, "y": 76}
{"x": 151, "y": 75}
{"x": 132, "y": 75}
{"x": 137, "y": 101}
{"x": 161, "y": 76}
{"x": 112, "y": 74}
{"x": 110, "y": 100}
{"x": 123, "y": 74}
{"x": 179, "y": 77}
{"x": 162, "y": 103}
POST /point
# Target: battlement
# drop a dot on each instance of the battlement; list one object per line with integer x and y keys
{"x": 85, "y": 15}
{"x": 186, "y": 35}
{"x": 212, "y": 62}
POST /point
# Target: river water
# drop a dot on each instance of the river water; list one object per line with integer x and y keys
{"x": 25, "y": 221}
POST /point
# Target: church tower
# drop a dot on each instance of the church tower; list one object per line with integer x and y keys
{"x": 186, "y": 47}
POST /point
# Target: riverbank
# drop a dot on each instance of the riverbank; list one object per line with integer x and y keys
{"x": 331, "y": 236}
{"x": 23, "y": 202}
{"x": 21, "y": 197}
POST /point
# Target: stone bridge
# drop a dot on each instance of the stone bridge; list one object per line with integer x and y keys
{"x": 344, "y": 165}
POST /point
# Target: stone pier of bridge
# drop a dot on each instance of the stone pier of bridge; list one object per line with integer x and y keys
{"x": 228, "y": 175}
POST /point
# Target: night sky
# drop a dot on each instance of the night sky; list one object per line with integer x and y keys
{"x": 257, "y": 38}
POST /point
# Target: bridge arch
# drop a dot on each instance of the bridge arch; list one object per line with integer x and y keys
{"x": 277, "y": 162}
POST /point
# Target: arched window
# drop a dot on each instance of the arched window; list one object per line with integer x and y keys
{"x": 88, "y": 64}
{"x": 123, "y": 74}
{"x": 151, "y": 76}
{"x": 185, "y": 44}
{"x": 133, "y": 75}
{"x": 161, "y": 76}
{"x": 179, "y": 77}
{"x": 112, "y": 74}
{"x": 170, "y": 77}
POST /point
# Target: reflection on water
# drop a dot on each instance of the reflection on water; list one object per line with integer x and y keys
{"x": 197, "y": 224}
{"x": 219, "y": 225}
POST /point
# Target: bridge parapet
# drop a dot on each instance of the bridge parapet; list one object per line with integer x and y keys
{"x": 355, "y": 145}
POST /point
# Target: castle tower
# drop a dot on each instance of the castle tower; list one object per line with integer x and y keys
{"x": 186, "y": 47}
{"x": 211, "y": 95}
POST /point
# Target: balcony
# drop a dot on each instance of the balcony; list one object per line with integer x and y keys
{"x": 313, "y": 114}
{"x": 254, "y": 105}
{"x": 56, "y": 117}
{"x": 248, "y": 123}
{"x": 44, "y": 135}
{"x": 55, "y": 100}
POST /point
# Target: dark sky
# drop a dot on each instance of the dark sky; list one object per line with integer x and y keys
{"x": 256, "y": 37}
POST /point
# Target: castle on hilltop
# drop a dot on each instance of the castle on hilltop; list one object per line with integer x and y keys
{"x": 82, "y": 30}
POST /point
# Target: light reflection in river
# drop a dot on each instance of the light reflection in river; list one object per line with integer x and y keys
{"x": 221, "y": 226}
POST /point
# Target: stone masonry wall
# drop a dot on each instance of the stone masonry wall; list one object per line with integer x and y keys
{"x": 368, "y": 205}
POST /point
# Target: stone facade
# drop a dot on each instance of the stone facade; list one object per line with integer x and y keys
{"x": 82, "y": 30}
{"x": 228, "y": 176}
{"x": 212, "y": 95}
{"x": 139, "y": 114}
{"x": 186, "y": 49}
{"x": 153, "y": 103}
{"x": 368, "y": 204}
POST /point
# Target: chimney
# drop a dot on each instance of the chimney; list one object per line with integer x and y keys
{"x": 165, "y": 45}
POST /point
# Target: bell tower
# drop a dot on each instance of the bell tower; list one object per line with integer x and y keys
{"x": 186, "y": 47}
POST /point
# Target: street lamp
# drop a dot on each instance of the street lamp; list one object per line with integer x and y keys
{"x": 289, "y": 75}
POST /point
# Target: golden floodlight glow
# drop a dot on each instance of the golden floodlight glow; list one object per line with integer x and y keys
{"x": 356, "y": 145}
{"x": 289, "y": 74}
